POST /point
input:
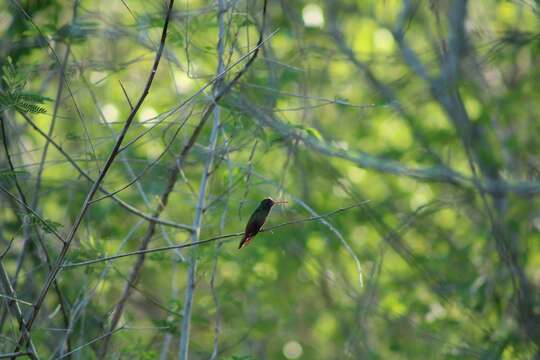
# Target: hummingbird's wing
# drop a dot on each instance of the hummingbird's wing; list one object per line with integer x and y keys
{"x": 253, "y": 226}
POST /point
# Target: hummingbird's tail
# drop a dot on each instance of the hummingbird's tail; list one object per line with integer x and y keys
{"x": 245, "y": 241}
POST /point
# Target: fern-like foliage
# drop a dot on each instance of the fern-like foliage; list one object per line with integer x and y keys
{"x": 13, "y": 95}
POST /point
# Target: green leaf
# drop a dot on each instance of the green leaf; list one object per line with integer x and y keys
{"x": 315, "y": 133}
{"x": 14, "y": 96}
{"x": 30, "y": 108}
{"x": 72, "y": 136}
{"x": 77, "y": 32}
{"x": 310, "y": 131}
{"x": 33, "y": 97}
{"x": 47, "y": 225}
{"x": 8, "y": 174}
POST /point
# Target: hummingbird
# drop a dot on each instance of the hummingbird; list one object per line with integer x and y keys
{"x": 257, "y": 219}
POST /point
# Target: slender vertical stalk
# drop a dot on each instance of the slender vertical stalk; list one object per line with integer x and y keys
{"x": 195, "y": 236}
{"x": 183, "y": 350}
{"x": 169, "y": 336}
{"x": 215, "y": 294}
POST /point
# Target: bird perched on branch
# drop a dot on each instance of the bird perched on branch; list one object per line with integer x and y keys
{"x": 257, "y": 219}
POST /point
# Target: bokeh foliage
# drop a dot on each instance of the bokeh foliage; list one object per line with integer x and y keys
{"x": 425, "y": 113}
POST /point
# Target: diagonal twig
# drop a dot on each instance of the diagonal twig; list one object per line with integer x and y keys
{"x": 209, "y": 240}
{"x": 86, "y": 204}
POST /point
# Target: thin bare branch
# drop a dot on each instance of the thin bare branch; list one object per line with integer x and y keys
{"x": 83, "y": 173}
{"x": 14, "y": 308}
{"x": 16, "y": 355}
{"x": 86, "y": 204}
{"x": 209, "y": 240}
{"x": 92, "y": 341}
{"x": 183, "y": 348}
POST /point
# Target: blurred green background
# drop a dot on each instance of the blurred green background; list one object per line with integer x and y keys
{"x": 422, "y": 113}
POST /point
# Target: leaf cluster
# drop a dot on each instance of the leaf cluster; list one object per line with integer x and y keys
{"x": 13, "y": 94}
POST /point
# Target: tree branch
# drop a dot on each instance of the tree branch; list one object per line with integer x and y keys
{"x": 209, "y": 240}
{"x": 183, "y": 348}
{"x": 85, "y": 206}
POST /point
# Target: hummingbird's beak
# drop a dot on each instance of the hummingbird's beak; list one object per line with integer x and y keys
{"x": 280, "y": 202}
